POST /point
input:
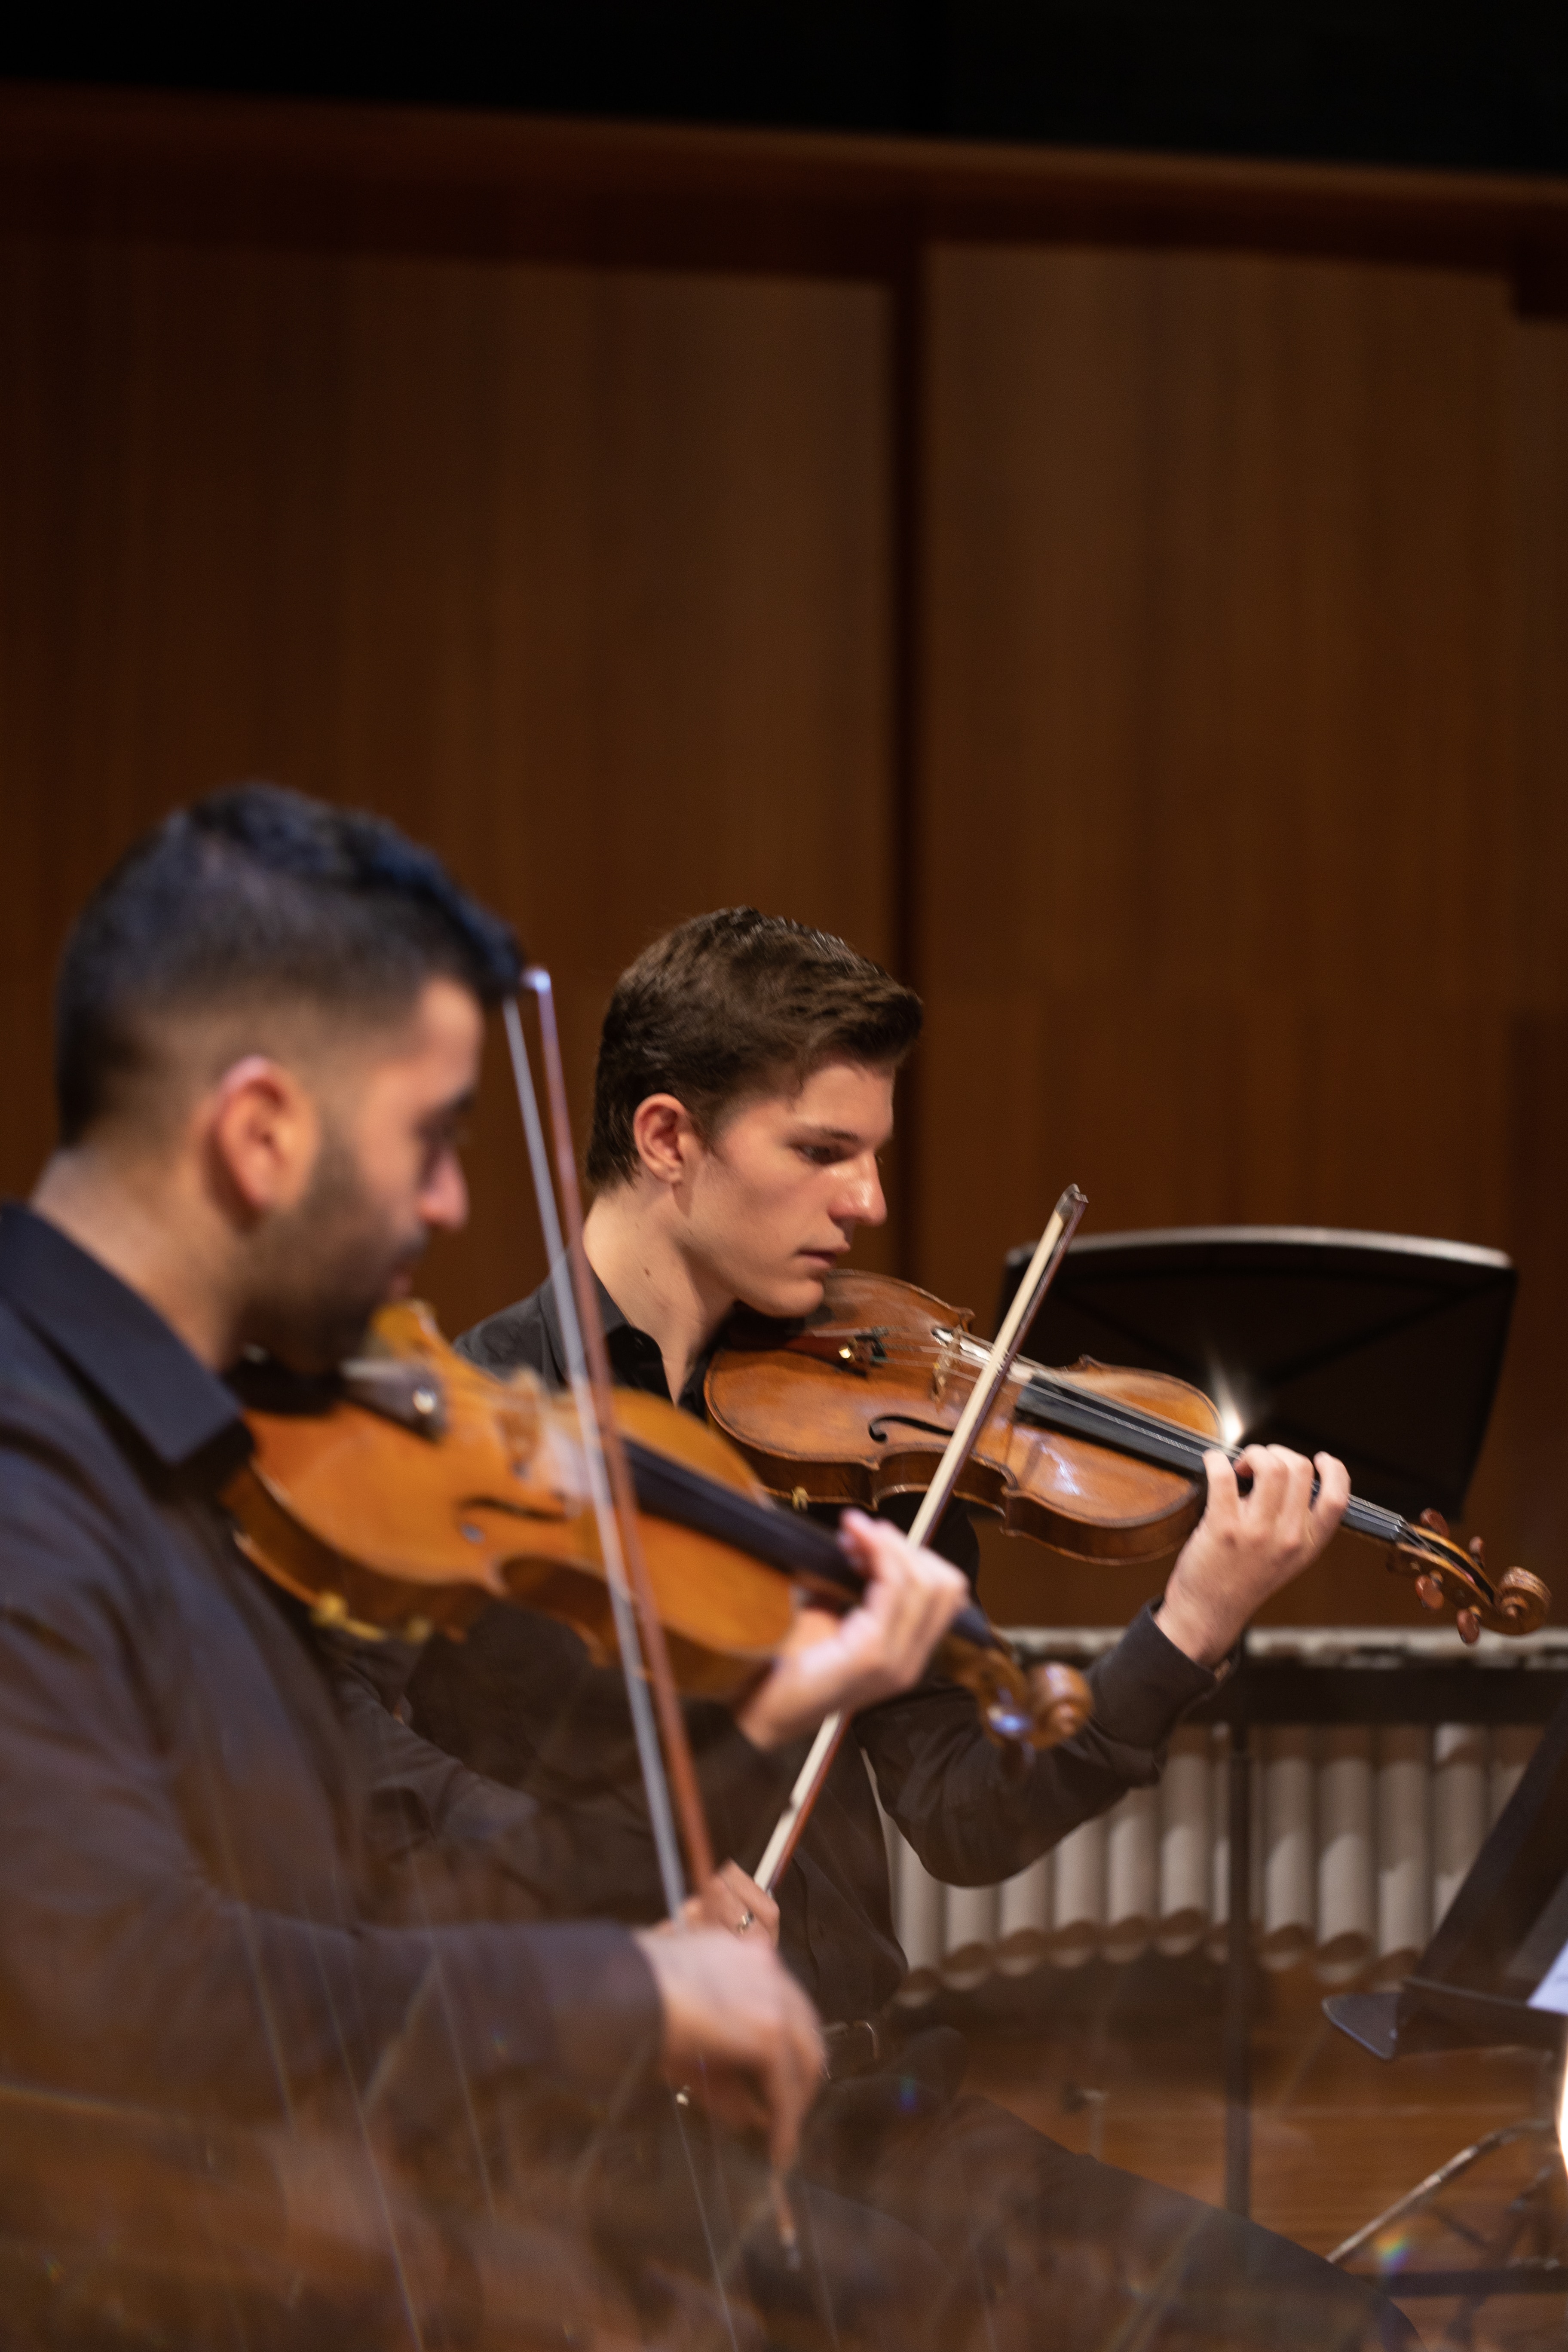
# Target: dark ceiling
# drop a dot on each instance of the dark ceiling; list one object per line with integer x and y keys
{"x": 1471, "y": 85}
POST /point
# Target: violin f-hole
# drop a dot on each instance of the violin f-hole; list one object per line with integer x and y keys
{"x": 877, "y": 1431}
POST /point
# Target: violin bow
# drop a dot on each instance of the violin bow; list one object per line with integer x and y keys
{"x": 644, "y": 1654}
{"x": 667, "y": 1769}
{"x": 1049, "y": 1252}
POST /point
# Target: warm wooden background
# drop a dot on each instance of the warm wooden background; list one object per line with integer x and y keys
{"x": 581, "y": 575}
{"x": 1248, "y": 727}
{"x": 1131, "y": 598}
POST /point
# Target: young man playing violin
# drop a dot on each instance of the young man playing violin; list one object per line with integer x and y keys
{"x": 742, "y": 1095}
{"x": 233, "y": 1890}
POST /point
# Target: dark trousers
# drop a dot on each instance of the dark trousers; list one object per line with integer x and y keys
{"x": 1058, "y": 2251}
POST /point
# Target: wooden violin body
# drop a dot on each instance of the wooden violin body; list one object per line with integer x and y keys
{"x": 393, "y": 1515}
{"x": 859, "y": 1406}
{"x": 428, "y": 1488}
{"x": 1099, "y": 1463}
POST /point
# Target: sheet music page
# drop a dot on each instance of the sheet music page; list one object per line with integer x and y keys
{"x": 1552, "y": 1992}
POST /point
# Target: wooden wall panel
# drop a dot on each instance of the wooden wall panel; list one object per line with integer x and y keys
{"x": 1242, "y": 796}
{"x": 1240, "y": 697}
{"x": 1523, "y": 1463}
{"x": 581, "y": 575}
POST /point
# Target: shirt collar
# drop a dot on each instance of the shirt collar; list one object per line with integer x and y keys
{"x": 624, "y": 1341}
{"x": 635, "y": 1359}
{"x": 118, "y": 1344}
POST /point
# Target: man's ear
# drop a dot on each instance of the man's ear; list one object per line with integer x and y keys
{"x": 263, "y": 1133}
{"x": 665, "y": 1139}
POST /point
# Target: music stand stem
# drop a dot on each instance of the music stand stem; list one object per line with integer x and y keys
{"x": 1238, "y": 1982}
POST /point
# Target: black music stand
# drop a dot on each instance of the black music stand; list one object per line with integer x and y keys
{"x": 1472, "y": 1986}
{"x": 1381, "y": 1349}
{"x": 1472, "y": 1989}
{"x": 1378, "y": 1347}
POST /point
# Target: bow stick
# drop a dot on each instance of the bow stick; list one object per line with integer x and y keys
{"x": 615, "y": 1508}
{"x": 1049, "y": 1252}
{"x": 639, "y": 1635}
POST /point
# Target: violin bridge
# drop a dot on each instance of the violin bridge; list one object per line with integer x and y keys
{"x": 949, "y": 1359}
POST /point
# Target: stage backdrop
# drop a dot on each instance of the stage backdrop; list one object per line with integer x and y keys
{"x": 1130, "y": 598}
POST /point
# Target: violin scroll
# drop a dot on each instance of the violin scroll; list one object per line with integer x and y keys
{"x": 1099, "y": 1462}
{"x": 1063, "y": 1703}
{"x": 1515, "y": 1602}
{"x": 1037, "y": 1706}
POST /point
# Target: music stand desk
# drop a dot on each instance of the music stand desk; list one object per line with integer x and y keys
{"x": 1382, "y": 1349}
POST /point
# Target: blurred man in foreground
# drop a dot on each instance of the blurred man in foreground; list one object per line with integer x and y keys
{"x": 301, "y": 1989}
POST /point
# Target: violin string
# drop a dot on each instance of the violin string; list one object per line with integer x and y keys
{"x": 1126, "y": 1422}
{"x": 1119, "y": 1420}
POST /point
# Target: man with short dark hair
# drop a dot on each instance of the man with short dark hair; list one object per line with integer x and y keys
{"x": 232, "y": 1890}
{"x": 730, "y": 1005}
{"x": 742, "y": 1096}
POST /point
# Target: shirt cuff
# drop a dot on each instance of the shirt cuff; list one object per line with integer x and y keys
{"x": 1145, "y": 1684}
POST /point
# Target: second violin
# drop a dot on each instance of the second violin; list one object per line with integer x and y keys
{"x": 1097, "y": 1461}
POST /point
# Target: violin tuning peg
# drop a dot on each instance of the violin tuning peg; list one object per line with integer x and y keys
{"x": 1435, "y": 1520}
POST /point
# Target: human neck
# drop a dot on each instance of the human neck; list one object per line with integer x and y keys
{"x": 136, "y": 1220}
{"x": 634, "y": 1247}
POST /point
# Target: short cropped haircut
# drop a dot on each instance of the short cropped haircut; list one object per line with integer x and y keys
{"x": 733, "y": 1006}
{"x": 252, "y": 899}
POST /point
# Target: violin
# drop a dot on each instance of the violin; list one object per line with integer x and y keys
{"x": 415, "y": 1487}
{"x": 859, "y": 1402}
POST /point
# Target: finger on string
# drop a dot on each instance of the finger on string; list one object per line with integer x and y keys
{"x": 1296, "y": 1475}
{"x": 855, "y": 1538}
{"x": 1224, "y": 1494}
{"x": 856, "y": 1548}
{"x": 1334, "y": 1484}
{"x": 1270, "y": 1483}
{"x": 890, "y": 1587}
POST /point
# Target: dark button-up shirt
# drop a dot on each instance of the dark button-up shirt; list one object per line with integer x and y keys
{"x": 526, "y": 1704}
{"x": 229, "y": 1882}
